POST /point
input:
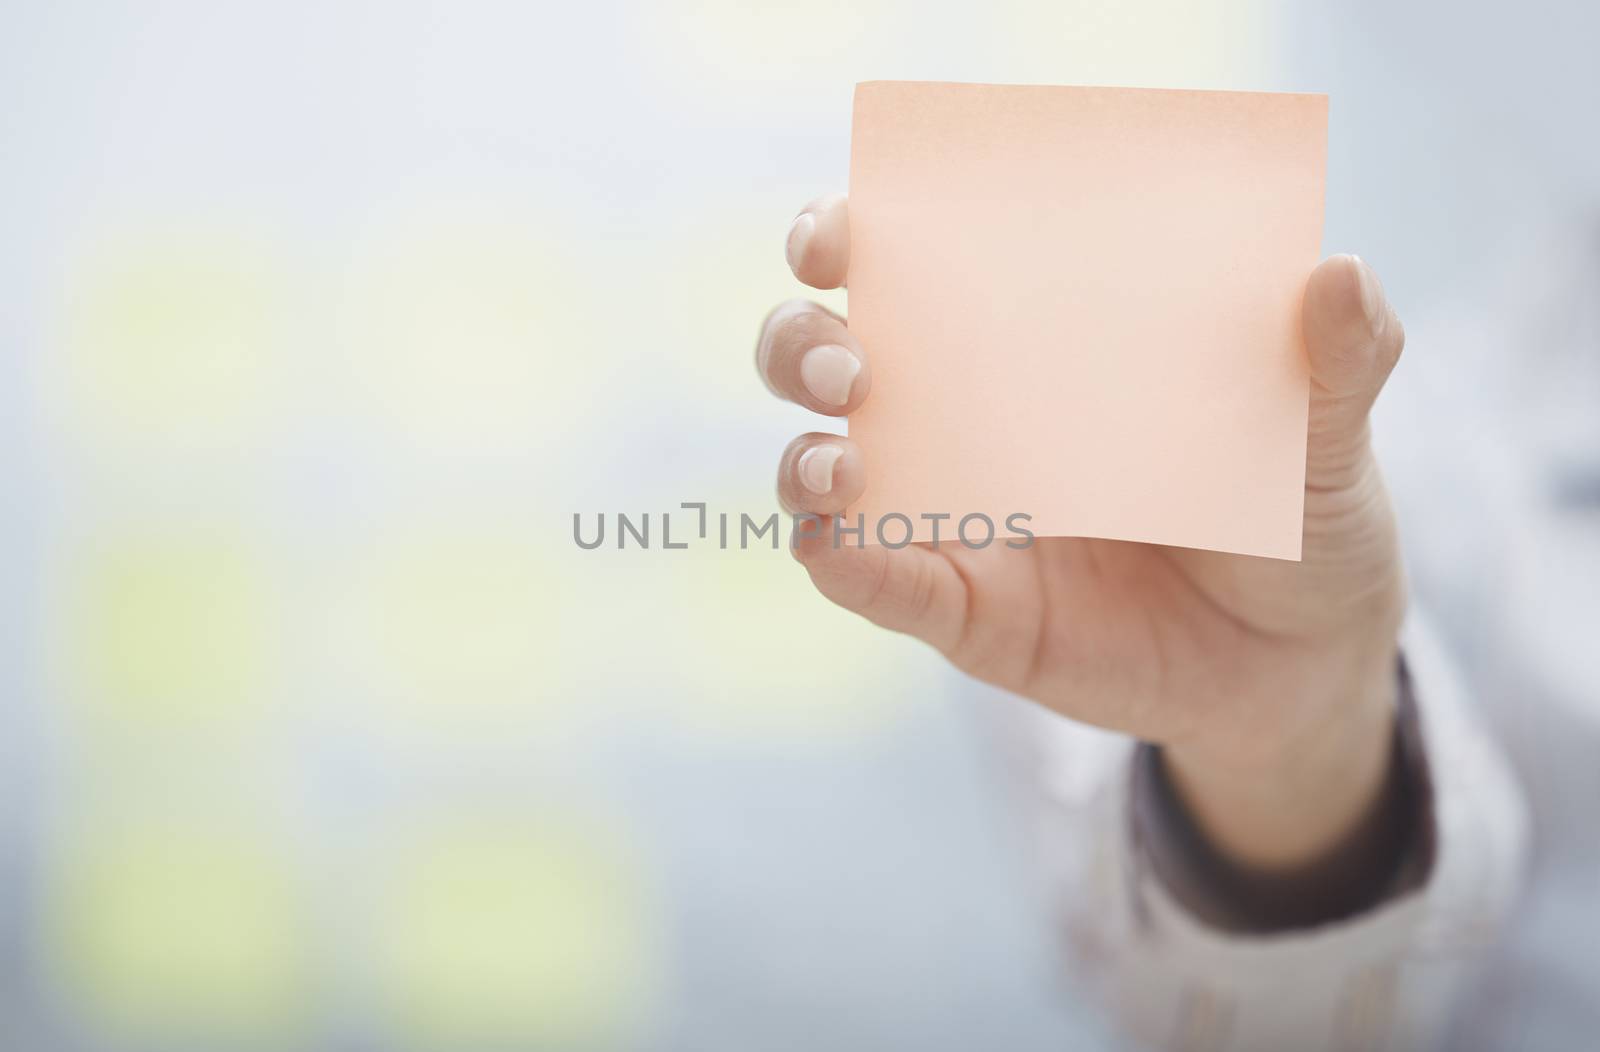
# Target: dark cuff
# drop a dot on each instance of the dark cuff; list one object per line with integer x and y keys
{"x": 1389, "y": 854}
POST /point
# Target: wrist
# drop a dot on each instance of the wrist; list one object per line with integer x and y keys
{"x": 1303, "y": 782}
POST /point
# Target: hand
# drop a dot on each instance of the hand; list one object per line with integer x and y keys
{"x": 1268, "y": 683}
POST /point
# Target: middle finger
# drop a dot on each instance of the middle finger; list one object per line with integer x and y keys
{"x": 807, "y": 355}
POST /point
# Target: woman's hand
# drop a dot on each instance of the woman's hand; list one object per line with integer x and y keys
{"x": 1268, "y": 683}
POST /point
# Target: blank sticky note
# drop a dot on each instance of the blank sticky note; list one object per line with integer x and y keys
{"x": 1083, "y": 305}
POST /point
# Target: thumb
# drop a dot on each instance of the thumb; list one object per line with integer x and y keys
{"x": 1353, "y": 339}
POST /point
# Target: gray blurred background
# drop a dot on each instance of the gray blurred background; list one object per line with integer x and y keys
{"x": 320, "y": 321}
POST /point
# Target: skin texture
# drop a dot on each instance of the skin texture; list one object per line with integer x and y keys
{"x": 1268, "y": 683}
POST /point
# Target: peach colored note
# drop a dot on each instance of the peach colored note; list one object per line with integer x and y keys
{"x": 1083, "y": 304}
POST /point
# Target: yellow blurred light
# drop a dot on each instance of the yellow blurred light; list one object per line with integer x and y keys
{"x": 770, "y": 57}
{"x": 169, "y": 343}
{"x": 162, "y": 932}
{"x": 169, "y": 630}
{"x": 1217, "y": 44}
{"x": 786, "y": 63}
{"x": 741, "y": 643}
{"x": 467, "y": 334}
{"x": 513, "y": 936}
{"x": 454, "y": 627}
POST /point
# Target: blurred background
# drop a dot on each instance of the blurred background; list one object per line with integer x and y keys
{"x": 320, "y": 322}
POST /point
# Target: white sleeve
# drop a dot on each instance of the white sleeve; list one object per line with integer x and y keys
{"x": 1387, "y": 977}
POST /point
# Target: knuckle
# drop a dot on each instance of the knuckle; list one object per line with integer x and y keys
{"x": 918, "y": 600}
{"x": 874, "y": 587}
{"x": 787, "y": 490}
{"x": 794, "y": 305}
{"x": 789, "y": 323}
{"x": 1393, "y": 343}
{"x": 778, "y": 330}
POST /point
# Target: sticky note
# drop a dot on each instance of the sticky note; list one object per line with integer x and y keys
{"x": 1083, "y": 305}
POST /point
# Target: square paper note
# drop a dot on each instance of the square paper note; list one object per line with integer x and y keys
{"x": 1083, "y": 305}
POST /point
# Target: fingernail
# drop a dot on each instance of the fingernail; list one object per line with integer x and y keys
{"x": 816, "y": 468}
{"x": 1371, "y": 294}
{"x": 794, "y": 249}
{"x": 828, "y": 373}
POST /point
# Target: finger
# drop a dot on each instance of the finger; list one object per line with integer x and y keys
{"x": 807, "y": 355}
{"x": 1353, "y": 340}
{"x": 821, "y": 474}
{"x": 912, "y": 589}
{"x": 818, "y": 245}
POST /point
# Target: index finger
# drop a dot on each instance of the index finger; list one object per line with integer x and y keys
{"x": 818, "y": 246}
